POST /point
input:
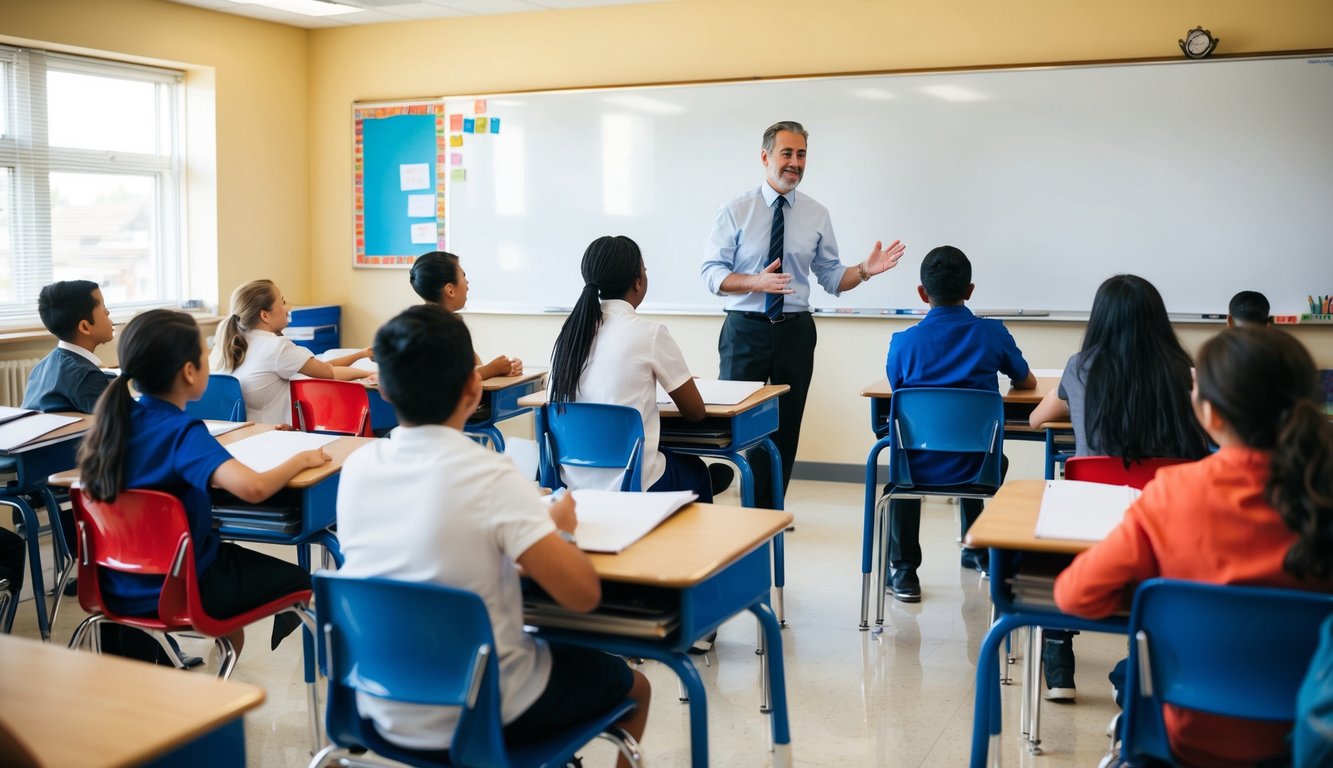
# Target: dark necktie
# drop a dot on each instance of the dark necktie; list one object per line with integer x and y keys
{"x": 773, "y": 301}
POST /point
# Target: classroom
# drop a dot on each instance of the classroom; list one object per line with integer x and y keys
{"x": 268, "y": 137}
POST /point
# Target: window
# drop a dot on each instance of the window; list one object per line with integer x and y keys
{"x": 90, "y": 184}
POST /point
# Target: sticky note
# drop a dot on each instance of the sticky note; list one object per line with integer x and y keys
{"x": 413, "y": 176}
{"x": 495, "y": 125}
{"x": 481, "y": 125}
{"x": 458, "y": 174}
{"x": 455, "y": 123}
{"x": 456, "y": 140}
{"x": 456, "y": 158}
{"x": 469, "y": 125}
{"x": 479, "y": 106}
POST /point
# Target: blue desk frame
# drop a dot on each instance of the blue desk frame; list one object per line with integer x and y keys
{"x": 742, "y": 585}
{"x": 501, "y": 401}
{"x": 33, "y": 466}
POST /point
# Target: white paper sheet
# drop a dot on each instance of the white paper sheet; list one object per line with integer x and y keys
{"x": 715, "y": 392}
{"x": 216, "y": 428}
{"x": 9, "y": 414}
{"x": 1073, "y": 509}
{"x": 421, "y": 206}
{"x": 266, "y": 451}
{"x": 610, "y": 521}
{"x": 15, "y": 433}
{"x": 423, "y": 234}
{"x": 413, "y": 176}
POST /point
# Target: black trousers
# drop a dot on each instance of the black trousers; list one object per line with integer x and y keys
{"x": 905, "y": 527}
{"x": 753, "y": 349}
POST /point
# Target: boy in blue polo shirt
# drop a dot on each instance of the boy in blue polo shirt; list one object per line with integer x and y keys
{"x": 71, "y": 377}
{"x": 950, "y": 347}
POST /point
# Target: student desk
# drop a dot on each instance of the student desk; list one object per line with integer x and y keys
{"x": 725, "y": 432}
{"x": 124, "y": 712}
{"x": 500, "y": 398}
{"x": 32, "y": 463}
{"x": 713, "y": 563}
{"x": 1006, "y": 529}
{"x": 1058, "y": 433}
{"x": 1018, "y": 404}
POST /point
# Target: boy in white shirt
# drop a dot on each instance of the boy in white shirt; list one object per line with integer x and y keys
{"x": 428, "y": 504}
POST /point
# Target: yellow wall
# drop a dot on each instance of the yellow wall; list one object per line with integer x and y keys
{"x": 283, "y": 127}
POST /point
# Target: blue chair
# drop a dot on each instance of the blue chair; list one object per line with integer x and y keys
{"x": 1189, "y": 649}
{"x": 432, "y": 645}
{"x": 591, "y": 435}
{"x": 222, "y": 401}
{"x": 930, "y": 419}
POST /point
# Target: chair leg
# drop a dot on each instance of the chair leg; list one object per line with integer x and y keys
{"x": 624, "y": 742}
{"x": 1034, "y": 732}
{"x": 883, "y": 512}
{"x": 227, "y": 652}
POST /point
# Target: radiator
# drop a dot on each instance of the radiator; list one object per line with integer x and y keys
{"x": 14, "y": 380}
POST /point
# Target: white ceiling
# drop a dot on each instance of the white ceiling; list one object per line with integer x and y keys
{"x": 385, "y": 11}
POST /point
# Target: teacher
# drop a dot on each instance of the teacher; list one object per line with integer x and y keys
{"x": 761, "y": 252}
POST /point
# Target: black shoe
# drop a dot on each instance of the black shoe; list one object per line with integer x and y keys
{"x": 720, "y": 477}
{"x": 905, "y": 586}
{"x": 976, "y": 559}
{"x": 72, "y": 587}
{"x": 1057, "y": 661}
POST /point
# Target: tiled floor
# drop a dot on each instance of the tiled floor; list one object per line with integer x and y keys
{"x": 899, "y": 698}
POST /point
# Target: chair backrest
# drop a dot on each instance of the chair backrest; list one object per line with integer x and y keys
{"x": 1111, "y": 470}
{"x": 593, "y": 435}
{"x": 325, "y": 405}
{"x": 141, "y": 532}
{"x": 1224, "y": 650}
{"x": 222, "y": 401}
{"x": 958, "y": 421}
{"x": 415, "y": 643}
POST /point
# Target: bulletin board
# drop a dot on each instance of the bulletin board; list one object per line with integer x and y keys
{"x": 399, "y": 191}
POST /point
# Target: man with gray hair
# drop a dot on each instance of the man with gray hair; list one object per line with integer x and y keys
{"x": 761, "y": 252}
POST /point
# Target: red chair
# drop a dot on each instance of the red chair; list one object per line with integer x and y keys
{"x": 146, "y": 532}
{"x": 326, "y": 405}
{"x": 1110, "y": 470}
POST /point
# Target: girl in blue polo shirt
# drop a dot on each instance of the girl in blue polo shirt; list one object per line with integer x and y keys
{"x": 150, "y": 443}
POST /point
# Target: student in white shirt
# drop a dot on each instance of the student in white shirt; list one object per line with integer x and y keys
{"x": 606, "y": 353}
{"x": 463, "y": 516}
{"x": 438, "y": 278}
{"x": 251, "y": 347}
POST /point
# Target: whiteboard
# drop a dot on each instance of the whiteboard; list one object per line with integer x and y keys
{"x": 1205, "y": 177}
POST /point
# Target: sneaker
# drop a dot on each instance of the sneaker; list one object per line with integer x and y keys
{"x": 905, "y": 586}
{"x": 720, "y": 477}
{"x": 1057, "y": 661}
{"x": 976, "y": 559}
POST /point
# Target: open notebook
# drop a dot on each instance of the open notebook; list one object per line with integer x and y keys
{"x": 1073, "y": 509}
{"x": 715, "y": 392}
{"x": 610, "y": 521}
{"x": 265, "y": 451}
{"x": 27, "y": 427}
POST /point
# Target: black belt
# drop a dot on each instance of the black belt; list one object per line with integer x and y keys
{"x": 761, "y": 316}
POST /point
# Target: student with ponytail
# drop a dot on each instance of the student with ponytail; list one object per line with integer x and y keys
{"x": 438, "y": 278}
{"x": 606, "y": 353}
{"x": 150, "y": 443}
{"x": 251, "y": 347}
{"x": 1257, "y": 512}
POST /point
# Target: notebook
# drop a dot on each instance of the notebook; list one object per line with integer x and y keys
{"x": 610, "y": 521}
{"x": 1073, "y": 509}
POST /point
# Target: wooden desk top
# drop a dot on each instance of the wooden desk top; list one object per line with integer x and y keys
{"x": 692, "y": 545}
{"x": 670, "y": 411}
{"x": 66, "y": 432}
{"x": 1045, "y": 384}
{"x": 487, "y": 385}
{"x": 338, "y": 450}
{"x": 1010, "y": 518}
{"x": 68, "y": 708}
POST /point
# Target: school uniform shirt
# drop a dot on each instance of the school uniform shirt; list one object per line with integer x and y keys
{"x": 270, "y": 363}
{"x": 630, "y": 355}
{"x": 427, "y": 504}
{"x": 951, "y": 347}
{"x": 70, "y": 378}
{"x": 1074, "y": 391}
{"x": 1204, "y": 521}
{"x": 167, "y": 450}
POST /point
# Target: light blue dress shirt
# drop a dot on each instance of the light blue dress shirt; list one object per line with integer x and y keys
{"x": 739, "y": 243}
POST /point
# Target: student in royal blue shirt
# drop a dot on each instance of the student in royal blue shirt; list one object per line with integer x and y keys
{"x": 950, "y": 347}
{"x": 153, "y": 444}
{"x": 71, "y": 377}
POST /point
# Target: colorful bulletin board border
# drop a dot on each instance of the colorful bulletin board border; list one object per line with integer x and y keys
{"x": 399, "y": 165}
